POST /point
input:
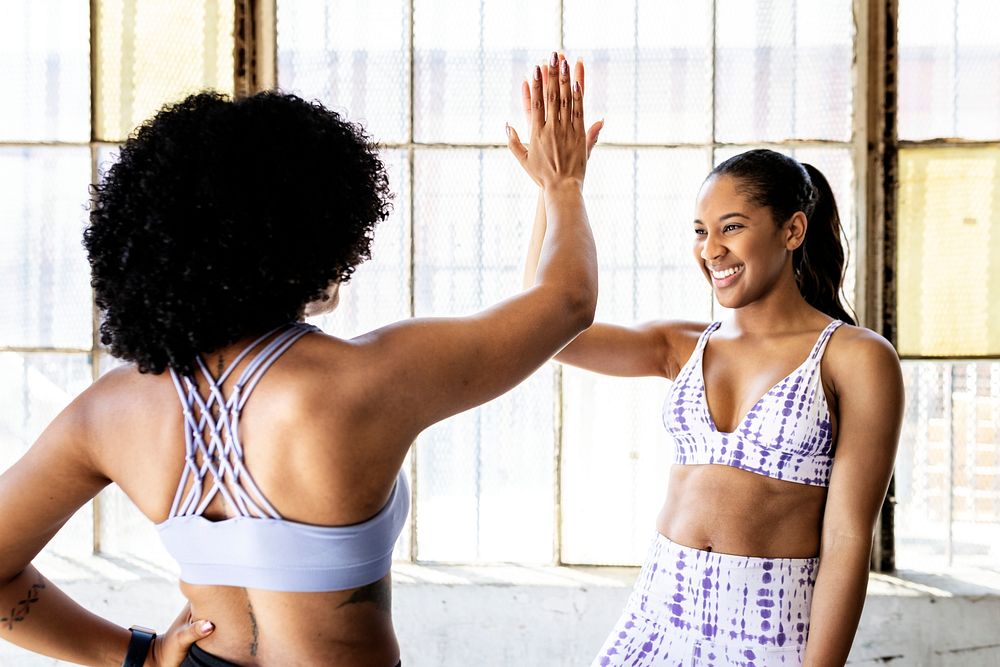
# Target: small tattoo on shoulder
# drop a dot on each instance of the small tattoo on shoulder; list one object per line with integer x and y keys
{"x": 21, "y": 608}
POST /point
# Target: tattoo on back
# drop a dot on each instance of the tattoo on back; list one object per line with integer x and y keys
{"x": 255, "y": 634}
{"x": 20, "y": 610}
{"x": 379, "y": 593}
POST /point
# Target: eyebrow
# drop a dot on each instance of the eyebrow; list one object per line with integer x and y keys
{"x": 725, "y": 217}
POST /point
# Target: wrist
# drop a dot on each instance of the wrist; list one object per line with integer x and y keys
{"x": 562, "y": 186}
{"x": 139, "y": 646}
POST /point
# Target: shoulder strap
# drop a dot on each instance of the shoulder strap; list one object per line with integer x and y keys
{"x": 222, "y": 456}
{"x": 703, "y": 340}
{"x": 820, "y": 347}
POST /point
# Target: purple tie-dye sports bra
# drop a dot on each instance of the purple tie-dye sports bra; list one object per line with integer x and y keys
{"x": 786, "y": 435}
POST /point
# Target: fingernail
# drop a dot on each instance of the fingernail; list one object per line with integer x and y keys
{"x": 507, "y": 127}
{"x": 576, "y": 87}
{"x": 565, "y": 67}
{"x": 554, "y": 61}
{"x": 205, "y": 627}
{"x": 538, "y": 73}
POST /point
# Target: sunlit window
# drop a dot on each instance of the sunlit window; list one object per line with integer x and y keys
{"x": 948, "y": 263}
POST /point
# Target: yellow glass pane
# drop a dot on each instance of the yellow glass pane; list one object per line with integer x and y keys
{"x": 151, "y": 52}
{"x": 949, "y": 252}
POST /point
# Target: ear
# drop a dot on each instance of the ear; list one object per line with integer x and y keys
{"x": 795, "y": 231}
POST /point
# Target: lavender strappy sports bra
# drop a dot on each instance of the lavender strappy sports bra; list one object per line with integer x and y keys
{"x": 786, "y": 435}
{"x": 257, "y": 548}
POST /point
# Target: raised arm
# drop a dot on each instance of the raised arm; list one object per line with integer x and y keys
{"x": 38, "y": 495}
{"x": 869, "y": 389}
{"x": 642, "y": 350}
{"x": 424, "y": 370}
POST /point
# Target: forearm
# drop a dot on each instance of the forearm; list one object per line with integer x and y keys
{"x": 839, "y": 596}
{"x": 535, "y": 244}
{"x": 37, "y": 616}
{"x": 568, "y": 259}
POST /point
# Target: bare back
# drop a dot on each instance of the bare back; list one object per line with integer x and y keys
{"x": 316, "y": 458}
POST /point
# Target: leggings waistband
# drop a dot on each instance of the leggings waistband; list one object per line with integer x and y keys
{"x": 723, "y": 597}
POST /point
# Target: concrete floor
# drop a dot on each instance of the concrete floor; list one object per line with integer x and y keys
{"x": 552, "y": 617}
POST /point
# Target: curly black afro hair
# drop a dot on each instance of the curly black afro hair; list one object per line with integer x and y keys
{"x": 221, "y": 219}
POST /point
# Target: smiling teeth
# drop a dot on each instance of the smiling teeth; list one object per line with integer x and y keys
{"x": 719, "y": 275}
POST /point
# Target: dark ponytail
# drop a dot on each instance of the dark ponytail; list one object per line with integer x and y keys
{"x": 787, "y": 186}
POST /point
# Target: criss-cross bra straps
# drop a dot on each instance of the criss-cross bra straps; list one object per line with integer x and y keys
{"x": 221, "y": 457}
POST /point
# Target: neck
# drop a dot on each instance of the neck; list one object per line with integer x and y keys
{"x": 782, "y": 308}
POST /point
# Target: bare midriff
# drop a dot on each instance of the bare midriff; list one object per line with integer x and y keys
{"x": 726, "y": 510}
{"x": 258, "y": 628}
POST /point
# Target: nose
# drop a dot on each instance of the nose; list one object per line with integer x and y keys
{"x": 711, "y": 248}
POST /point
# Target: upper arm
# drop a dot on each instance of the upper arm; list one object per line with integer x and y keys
{"x": 626, "y": 351}
{"x": 423, "y": 370}
{"x": 43, "y": 489}
{"x": 869, "y": 388}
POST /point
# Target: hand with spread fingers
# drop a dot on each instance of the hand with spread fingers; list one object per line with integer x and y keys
{"x": 559, "y": 142}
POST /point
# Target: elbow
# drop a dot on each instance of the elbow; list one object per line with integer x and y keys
{"x": 582, "y": 307}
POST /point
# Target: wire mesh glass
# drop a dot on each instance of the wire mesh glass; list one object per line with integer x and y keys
{"x": 34, "y": 388}
{"x": 45, "y": 48}
{"x": 949, "y": 69}
{"x": 649, "y": 67}
{"x": 784, "y": 70}
{"x": 45, "y": 294}
{"x": 948, "y": 467}
{"x": 485, "y": 479}
{"x": 153, "y": 53}
{"x": 948, "y": 257}
{"x": 379, "y": 291}
{"x": 353, "y": 56}
{"x": 469, "y": 61}
{"x": 615, "y": 452}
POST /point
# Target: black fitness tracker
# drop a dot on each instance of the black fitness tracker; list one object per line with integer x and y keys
{"x": 138, "y": 646}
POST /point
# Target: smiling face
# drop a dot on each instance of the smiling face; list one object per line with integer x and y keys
{"x": 740, "y": 249}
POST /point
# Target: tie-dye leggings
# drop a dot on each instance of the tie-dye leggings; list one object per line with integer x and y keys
{"x": 694, "y": 608}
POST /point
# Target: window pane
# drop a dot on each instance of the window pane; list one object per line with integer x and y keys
{"x": 485, "y": 478}
{"x": 379, "y": 291}
{"x": 648, "y": 67}
{"x": 153, "y": 53}
{"x": 470, "y": 60}
{"x": 34, "y": 388}
{"x": 615, "y": 452}
{"x": 45, "y": 48}
{"x": 351, "y": 55}
{"x": 949, "y": 69}
{"x": 784, "y": 70}
{"x": 948, "y": 256}
{"x": 948, "y": 467}
{"x": 45, "y": 294}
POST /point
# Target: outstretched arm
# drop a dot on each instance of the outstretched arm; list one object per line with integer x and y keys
{"x": 39, "y": 494}
{"x": 870, "y": 404}
{"x": 424, "y": 370}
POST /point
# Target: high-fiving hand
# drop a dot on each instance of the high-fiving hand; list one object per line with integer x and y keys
{"x": 559, "y": 146}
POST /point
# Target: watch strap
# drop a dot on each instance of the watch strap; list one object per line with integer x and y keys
{"x": 138, "y": 646}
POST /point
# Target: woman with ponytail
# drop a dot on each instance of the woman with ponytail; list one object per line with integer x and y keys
{"x": 785, "y": 419}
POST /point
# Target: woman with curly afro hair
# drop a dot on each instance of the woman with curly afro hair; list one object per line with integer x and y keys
{"x": 267, "y": 453}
